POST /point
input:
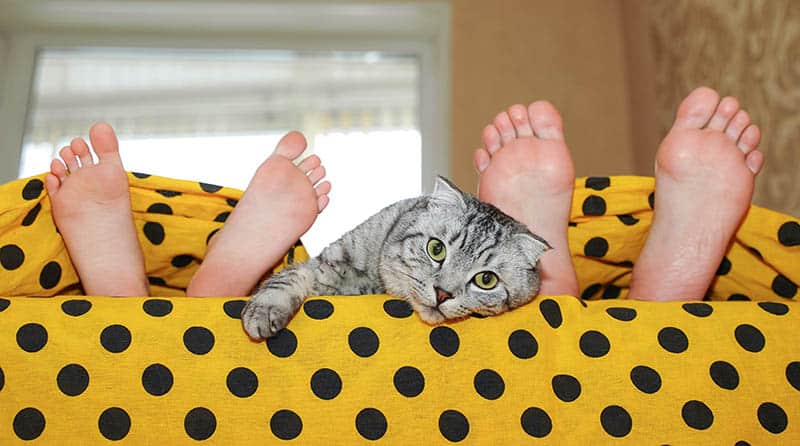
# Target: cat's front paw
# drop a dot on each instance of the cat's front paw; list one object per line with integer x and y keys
{"x": 266, "y": 314}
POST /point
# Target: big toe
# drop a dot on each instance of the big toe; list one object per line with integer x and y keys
{"x": 291, "y": 145}
{"x": 104, "y": 140}
{"x": 546, "y": 121}
{"x": 696, "y": 110}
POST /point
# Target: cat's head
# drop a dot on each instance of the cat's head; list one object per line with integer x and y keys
{"x": 459, "y": 256}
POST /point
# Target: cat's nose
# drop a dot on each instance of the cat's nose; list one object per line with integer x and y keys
{"x": 442, "y": 295}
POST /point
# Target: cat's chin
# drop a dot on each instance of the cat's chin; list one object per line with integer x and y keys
{"x": 429, "y": 315}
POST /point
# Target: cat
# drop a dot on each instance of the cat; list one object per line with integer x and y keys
{"x": 447, "y": 254}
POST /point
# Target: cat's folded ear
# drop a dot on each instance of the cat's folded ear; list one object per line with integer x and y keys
{"x": 446, "y": 192}
{"x": 532, "y": 245}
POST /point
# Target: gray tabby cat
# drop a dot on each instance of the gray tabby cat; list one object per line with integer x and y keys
{"x": 447, "y": 254}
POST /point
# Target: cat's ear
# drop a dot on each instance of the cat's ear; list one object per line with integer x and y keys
{"x": 446, "y": 192}
{"x": 532, "y": 245}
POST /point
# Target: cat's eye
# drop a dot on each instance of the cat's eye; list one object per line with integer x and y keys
{"x": 436, "y": 250}
{"x": 485, "y": 280}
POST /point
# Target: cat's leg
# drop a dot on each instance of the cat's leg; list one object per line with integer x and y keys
{"x": 280, "y": 204}
{"x": 92, "y": 210}
{"x": 705, "y": 170}
{"x": 526, "y": 171}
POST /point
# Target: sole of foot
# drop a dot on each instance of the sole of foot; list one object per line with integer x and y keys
{"x": 526, "y": 171}
{"x": 279, "y": 205}
{"x": 705, "y": 171}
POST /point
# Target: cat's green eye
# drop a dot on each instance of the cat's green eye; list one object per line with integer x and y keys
{"x": 486, "y": 280}
{"x": 436, "y": 250}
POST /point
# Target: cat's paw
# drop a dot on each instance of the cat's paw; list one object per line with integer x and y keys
{"x": 265, "y": 315}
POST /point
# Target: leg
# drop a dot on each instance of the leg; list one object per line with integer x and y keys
{"x": 92, "y": 210}
{"x": 526, "y": 171}
{"x": 705, "y": 169}
{"x": 280, "y": 204}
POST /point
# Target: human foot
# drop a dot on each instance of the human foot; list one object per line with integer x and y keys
{"x": 705, "y": 169}
{"x": 526, "y": 171}
{"x": 280, "y": 204}
{"x": 92, "y": 210}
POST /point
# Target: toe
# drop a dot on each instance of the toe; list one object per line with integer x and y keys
{"x": 52, "y": 183}
{"x": 292, "y": 145}
{"x": 322, "y": 202}
{"x": 696, "y": 110}
{"x": 308, "y": 164}
{"x": 503, "y": 123}
{"x": 79, "y": 148}
{"x": 104, "y": 141}
{"x": 481, "y": 160}
{"x": 726, "y": 109}
{"x": 316, "y": 174}
{"x": 323, "y": 188}
{"x": 519, "y": 117}
{"x": 750, "y": 139}
{"x": 491, "y": 139}
{"x": 755, "y": 161}
{"x": 737, "y": 125}
{"x": 58, "y": 169}
{"x": 69, "y": 158}
{"x": 546, "y": 120}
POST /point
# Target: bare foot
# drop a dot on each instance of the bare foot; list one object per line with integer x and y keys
{"x": 705, "y": 169}
{"x": 280, "y": 204}
{"x": 92, "y": 210}
{"x": 526, "y": 171}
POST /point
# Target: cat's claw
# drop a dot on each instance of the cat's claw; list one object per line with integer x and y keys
{"x": 262, "y": 319}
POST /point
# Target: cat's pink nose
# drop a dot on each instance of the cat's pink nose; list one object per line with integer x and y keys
{"x": 442, "y": 295}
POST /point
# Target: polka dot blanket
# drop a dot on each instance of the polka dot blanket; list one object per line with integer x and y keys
{"x": 594, "y": 368}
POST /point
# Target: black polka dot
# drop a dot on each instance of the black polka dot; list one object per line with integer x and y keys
{"x": 535, "y": 422}
{"x": 157, "y": 379}
{"x": 29, "y": 424}
{"x": 594, "y": 344}
{"x": 784, "y": 287}
{"x": 591, "y": 290}
{"x": 750, "y": 338}
{"x": 789, "y": 234}
{"x": 594, "y": 205}
{"x": 141, "y": 175}
{"x": 158, "y": 281}
{"x": 741, "y": 443}
{"x": 596, "y": 247}
{"x": 76, "y": 307}
{"x": 522, "y": 344}
{"x": 598, "y": 183}
{"x": 2, "y": 379}
{"x": 33, "y": 189}
{"x": 673, "y": 340}
{"x": 371, "y": 424}
{"x": 611, "y": 292}
{"x": 210, "y": 188}
{"x": 31, "y": 337}
{"x": 222, "y": 217}
{"x": 211, "y": 234}
{"x": 551, "y": 312}
{"x": 114, "y": 423}
{"x": 233, "y": 308}
{"x": 738, "y": 297}
{"x": 182, "y": 260}
{"x": 697, "y": 415}
{"x": 628, "y": 219}
{"x": 157, "y": 307}
{"x": 566, "y": 387}
{"x": 4, "y": 303}
{"x": 489, "y": 384}
{"x": 72, "y": 380}
{"x": 651, "y": 200}
{"x": 50, "y": 275}
{"x": 444, "y": 340}
{"x": 409, "y": 381}
{"x": 772, "y": 418}
{"x": 160, "y": 208}
{"x": 453, "y": 425}
{"x": 30, "y": 217}
{"x": 698, "y": 309}
{"x": 285, "y": 424}
{"x": 616, "y": 421}
{"x": 397, "y": 308}
{"x": 775, "y": 308}
{"x": 755, "y": 252}
{"x": 645, "y": 379}
{"x": 11, "y": 257}
{"x": 168, "y": 193}
{"x": 793, "y": 374}
{"x": 363, "y": 342}
{"x": 115, "y": 338}
{"x": 200, "y": 423}
{"x": 724, "y": 267}
{"x": 326, "y": 384}
{"x": 724, "y": 375}
{"x": 283, "y": 344}
{"x": 621, "y": 313}
{"x": 198, "y": 340}
{"x": 242, "y": 382}
{"x": 154, "y": 232}
{"x": 318, "y": 309}
{"x": 231, "y": 202}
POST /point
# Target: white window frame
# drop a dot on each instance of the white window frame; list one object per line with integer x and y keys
{"x": 421, "y": 30}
